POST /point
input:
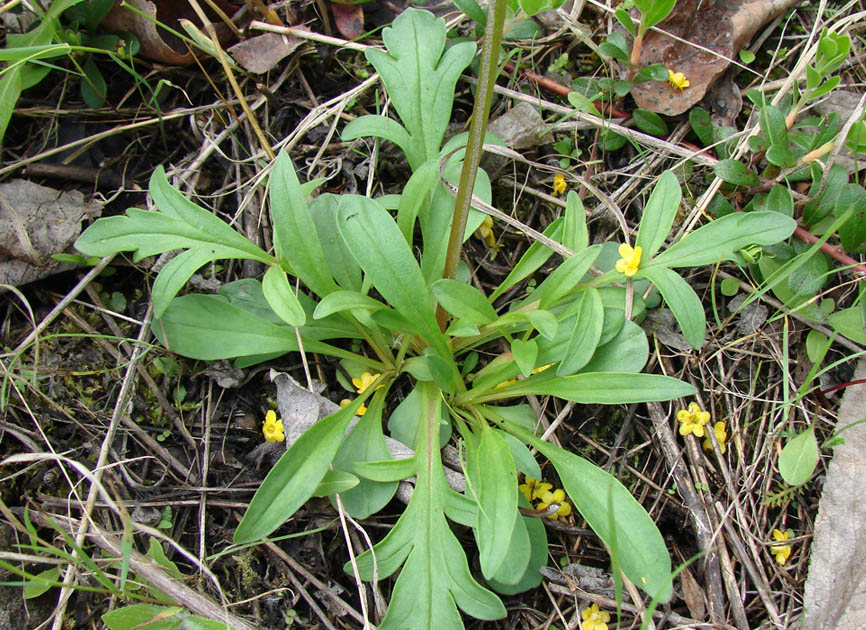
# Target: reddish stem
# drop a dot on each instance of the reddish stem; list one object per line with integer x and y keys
{"x": 843, "y": 385}
{"x": 834, "y": 252}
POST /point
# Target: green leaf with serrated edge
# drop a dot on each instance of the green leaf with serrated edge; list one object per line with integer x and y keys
{"x": 386, "y": 470}
{"x": 416, "y": 193}
{"x": 387, "y": 129}
{"x": 420, "y": 79}
{"x": 525, "y": 353}
{"x": 281, "y": 297}
{"x": 574, "y": 233}
{"x": 366, "y": 443}
{"x": 293, "y": 479}
{"x": 341, "y": 263}
{"x": 435, "y": 579}
{"x": 534, "y": 257}
{"x": 463, "y": 301}
{"x": 339, "y": 301}
{"x": 641, "y": 549}
{"x": 598, "y": 388}
{"x": 658, "y": 214}
{"x": 496, "y": 493}
{"x": 531, "y": 577}
{"x": 565, "y": 277}
{"x": 523, "y": 459}
{"x": 649, "y": 122}
{"x": 296, "y": 239}
{"x": 515, "y": 555}
{"x": 736, "y": 173}
{"x": 798, "y": 458}
{"x": 377, "y": 244}
{"x": 724, "y": 237}
{"x": 585, "y": 333}
{"x": 628, "y": 351}
{"x": 337, "y": 481}
{"x": 683, "y": 302}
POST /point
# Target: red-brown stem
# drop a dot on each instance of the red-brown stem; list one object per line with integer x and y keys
{"x": 834, "y": 252}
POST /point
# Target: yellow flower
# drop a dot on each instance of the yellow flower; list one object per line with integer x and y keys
{"x": 541, "y": 368}
{"x": 677, "y": 80}
{"x": 559, "y": 184}
{"x": 557, "y": 496}
{"x": 273, "y": 428}
{"x": 361, "y": 410}
{"x": 782, "y": 552}
{"x": 594, "y": 619}
{"x": 693, "y": 420}
{"x": 532, "y": 489}
{"x": 367, "y": 379}
{"x": 630, "y": 261}
{"x": 485, "y": 231}
{"x": 721, "y": 437}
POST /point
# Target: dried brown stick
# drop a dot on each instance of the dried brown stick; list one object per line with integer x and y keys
{"x": 686, "y": 490}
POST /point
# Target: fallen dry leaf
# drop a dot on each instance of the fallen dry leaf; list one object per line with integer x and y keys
{"x": 261, "y": 53}
{"x": 349, "y": 19}
{"x": 720, "y": 27}
{"x": 158, "y": 43}
{"x": 36, "y": 222}
{"x": 835, "y": 597}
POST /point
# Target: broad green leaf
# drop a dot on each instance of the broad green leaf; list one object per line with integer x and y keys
{"x": 435, "y": 578}
{"x": 516, "y": 554}
{"x": 93, "y": 87}
{"x": 339, "y": 301}
{"x": 652, "y": 72}
{"x": 296, "y": 240}
{"x": 171, "y": 278}
{"x": 729, "y": 287}
{"x": 150, "y": 616}
{"x": 659, "y": 214}
{"x": 377, "y": 244}
{"x": 463, "y": 301}
{"x": 387, "y": 129}
{"x": 496, "y": 493}
{"x": 598, "y": 388}
{"x": 736, "y": 173}
{"x": 365, "y": 443}
{"x": 808, "y": 278}
{"x": 820, "y": 207}
{"x": 337, "y": 481}
{"x": 523, "y": 459}
{"x": 657, "y": 12}
{"x": 574, "y": 233}
{"x": 628, "y": 351}
{"x": 773, "y": 125}
{"x": 816, "y": 345}
{"x": 525, "y": 353}
{"x": 342, "y": 264}
{"x": 420, "y": 79}
{"x": 416, "y": 193}
{"x": 293, "y": 479}
{"x": 534, "y": 257}
{"x": 585, "y": 333}
{"x": 531, "y": 7}
{"x": 852, "y": 233}
{"x": 472, "y": 9}
{"x": 624, "y": 18}
{"x": 386, "y": 470}
{"x": 281, "y": 297}
{"x": 701, "y": 124}
{"x": 849, "y": 322}
{"x": 531, "y": 577}
{"x": 721, "y": 239}
{"x": 649, "y": 122}
{"x": 798, "y": 458}
{"x": 543, "y": 321}
{"x": 565, "y": 277}
{"x": 780, "y": 200}
{"x": 683, "y": 302}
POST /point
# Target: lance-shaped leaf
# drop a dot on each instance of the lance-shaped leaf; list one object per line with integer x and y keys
{"x": 613, "y": 514}
{"x": 585, "y": 333}
{"x": 683, "y": 302}
{"x": 463, "y": 301}
{"x": 435, "y": 579}
{"x": 597, "y": 388}
{"x": 658, "y": 215}
{"x": 296, "y": 239}
{"x": 724, "y": 237}
{"x": 294, "y": 478}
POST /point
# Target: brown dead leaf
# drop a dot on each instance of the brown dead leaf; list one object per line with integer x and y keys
{"x": 720, "y": 28}
{"x": 36, "y": 222}
{"x": 349, "y": 19}
{"x": 693, "y": 594}
{"x": 261, "y": 53}
{"x": 158, "y": 43}
{"x": 835, "y": 593}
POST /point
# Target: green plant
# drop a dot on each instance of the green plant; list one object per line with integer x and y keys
{"x": 416, "y": 325}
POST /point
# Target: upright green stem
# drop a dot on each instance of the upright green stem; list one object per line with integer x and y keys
{"x": 483, "y": 97}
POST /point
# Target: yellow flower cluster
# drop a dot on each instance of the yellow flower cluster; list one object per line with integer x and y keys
{"x": 273, "y": 428}
{"x": 559, "y": 184}
{"x": 693, "y": 419}
{"x": 594, "y": 619}
{"x": 361, "y": 385}
{"x": 677, "y": 80}
{"x": 629, "y": 261}
{"x": 540, "y": 491}
{"x": 721, "y": 437}
{"x": 782, "y": 552}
